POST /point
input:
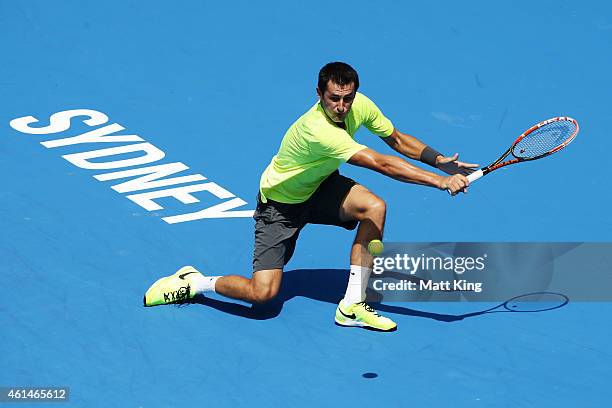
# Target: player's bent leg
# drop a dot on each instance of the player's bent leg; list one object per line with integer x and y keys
{"x": 262, "y": 287}
{"x": 185, "y": 283}
{"x": 370, "y": 210}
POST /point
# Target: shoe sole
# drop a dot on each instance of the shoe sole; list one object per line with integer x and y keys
{"x": 363, "y": 326}
{"x": 176, "y": 303}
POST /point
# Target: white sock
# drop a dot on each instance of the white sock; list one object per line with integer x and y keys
{"x": 201, "y": 284}
{"x": 357, "y": 284}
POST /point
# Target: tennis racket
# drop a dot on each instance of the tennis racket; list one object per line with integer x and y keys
{"x": 539, "y": 141}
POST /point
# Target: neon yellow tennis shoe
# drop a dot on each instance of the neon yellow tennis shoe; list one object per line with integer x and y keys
{"x": 362, "y": 315}
{"x": 173, "y": 289}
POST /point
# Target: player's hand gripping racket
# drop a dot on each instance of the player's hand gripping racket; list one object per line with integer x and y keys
{"x": 539, "y": 141}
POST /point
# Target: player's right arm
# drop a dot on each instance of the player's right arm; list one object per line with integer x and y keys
{"x": 400, "y": 169}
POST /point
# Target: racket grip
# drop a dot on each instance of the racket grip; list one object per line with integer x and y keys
{"x": 475, "y": 175}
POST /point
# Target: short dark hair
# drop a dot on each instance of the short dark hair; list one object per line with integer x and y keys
{"x": 339, "y": 73}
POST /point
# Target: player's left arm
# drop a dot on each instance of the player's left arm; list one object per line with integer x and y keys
{"x": 413, "y": 148}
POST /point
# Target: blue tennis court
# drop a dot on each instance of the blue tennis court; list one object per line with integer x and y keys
{"x": 214, "y": 87}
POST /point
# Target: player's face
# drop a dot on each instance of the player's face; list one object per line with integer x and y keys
{"x": 337, "y": 100}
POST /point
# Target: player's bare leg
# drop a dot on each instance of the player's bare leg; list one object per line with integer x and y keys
{"x": 262, "y": 287}
{"x": 188, "y": 281}
{"x": 370, "y": 210}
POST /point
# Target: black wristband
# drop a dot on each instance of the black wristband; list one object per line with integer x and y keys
{"x": 428, "y": 156}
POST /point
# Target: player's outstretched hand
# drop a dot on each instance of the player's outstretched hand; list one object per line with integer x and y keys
{"x": 454, "y": 184}
{"x": 450, "y": 165}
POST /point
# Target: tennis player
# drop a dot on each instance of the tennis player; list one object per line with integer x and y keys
{"x": 302, "y": 185}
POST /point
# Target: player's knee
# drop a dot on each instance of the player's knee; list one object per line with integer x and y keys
{"x": 375, "y": 208}
{"x": 264, "y": 293}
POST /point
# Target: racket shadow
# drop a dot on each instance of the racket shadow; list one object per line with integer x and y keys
{"x": 510, "y": 305}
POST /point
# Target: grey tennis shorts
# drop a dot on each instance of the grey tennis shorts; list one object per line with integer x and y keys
{"x": 278, "y": 225}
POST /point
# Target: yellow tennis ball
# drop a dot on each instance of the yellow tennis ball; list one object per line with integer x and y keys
{"x": 376, "y": 247}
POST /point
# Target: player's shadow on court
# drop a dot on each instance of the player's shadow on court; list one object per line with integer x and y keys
{"x": 324, "y": 285}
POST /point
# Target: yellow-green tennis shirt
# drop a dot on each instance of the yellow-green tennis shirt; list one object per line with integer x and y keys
{"x": 314, "y": 147}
